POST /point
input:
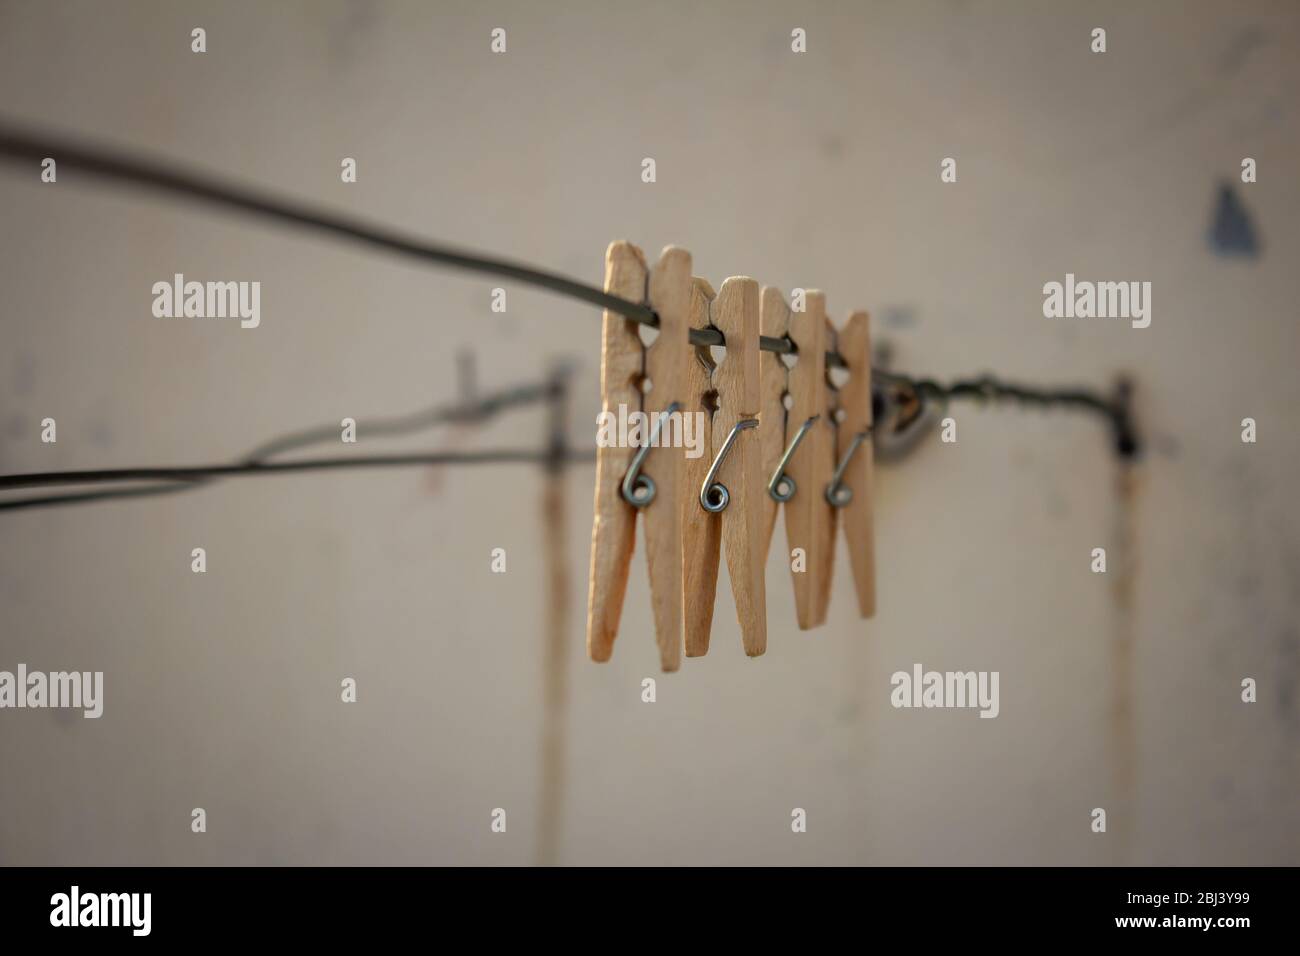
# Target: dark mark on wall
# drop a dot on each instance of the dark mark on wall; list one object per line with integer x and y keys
{"x": 1232, "y": 232}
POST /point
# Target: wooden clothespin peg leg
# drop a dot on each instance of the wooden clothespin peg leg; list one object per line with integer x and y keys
{"x": 774, "y": 322}
{"x": 735, "y": 489}
{"x": 833, "y": 415}
{"x": 701, "y": 531}
{"x": 667, "y": 360}
{"x": 805, "y": 469}
{"x": 648, "y": 478}
{"x": 851, "y": 486}
{"x": 613, "y": 532}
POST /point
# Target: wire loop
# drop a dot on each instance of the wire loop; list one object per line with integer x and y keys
{"x": 638, "y": 489}
{"x": 782, "y": 487}
{"x": 836, "y": 492}
{"x": 714, "y": 495}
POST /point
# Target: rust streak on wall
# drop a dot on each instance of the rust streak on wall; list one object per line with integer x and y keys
{"x": 1123, "y": 734}
{"x": 555, "y": 650}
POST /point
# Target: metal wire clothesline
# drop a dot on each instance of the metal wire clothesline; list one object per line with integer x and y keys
{"x": 908, "y": 396}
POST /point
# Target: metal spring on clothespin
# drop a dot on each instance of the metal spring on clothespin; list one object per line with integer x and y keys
{"x": 638, "y": 489}
{"x": 782, "y": 487}
{"x": 837, "y": 493}
{"x": 713, "y": 494}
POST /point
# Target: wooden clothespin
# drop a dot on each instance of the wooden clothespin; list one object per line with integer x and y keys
{"x": 728, "y": 498}
{"x": 833, "y": 414}
{"x": 773, "y": 381}
{"x": 648, "y": 478}
{"x": 613, "y": 532}
{"x": 724, "y": 487}
{"x": 701, "y": 531}
{"x": 736, "y": 486}
{"x": 807, "y": 463}
{"x": 851, "y": 485}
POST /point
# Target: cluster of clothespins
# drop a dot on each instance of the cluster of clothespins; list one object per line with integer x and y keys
{"x": 813, "y": 456}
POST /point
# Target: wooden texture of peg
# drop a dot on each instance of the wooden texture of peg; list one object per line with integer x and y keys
{"x": 701, "y": 531}
{"x": 613, "y": 530}
{"x": 666, "y": 364}
{"x": 808, "y": 517}
{"x": 744, "y": 529}
{"x": 832, "y": 419}
{"x": 857, "y": 517}
{"x": 774, "y": 321}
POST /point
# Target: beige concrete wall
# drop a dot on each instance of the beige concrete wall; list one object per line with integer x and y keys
{"x": 819, "y": 170}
